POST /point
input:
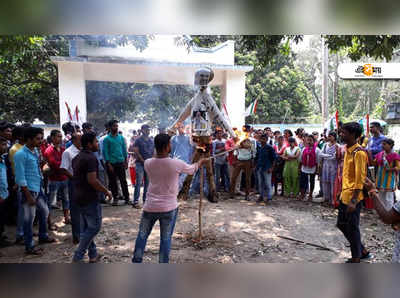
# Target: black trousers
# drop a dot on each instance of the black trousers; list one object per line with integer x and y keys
{"x": 119, "y": 172}
{"x": 349, "y": 224}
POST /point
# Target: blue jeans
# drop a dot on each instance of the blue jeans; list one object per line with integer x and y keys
{"x": 140, "y": 175}
{"x": 29, "y": 216}
{"x": 221, "y": 173}
{"x": 90, "y": 226}
{"x": 167, "y": 225}
{"x": 74, "y": 212}
{"x": 195, "y": 187}
{"x": 62, "y": 188}
{"x": 264, "y": 184}
{"x": 20, "y": 216}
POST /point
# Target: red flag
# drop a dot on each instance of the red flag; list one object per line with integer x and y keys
{"x": 367, "y": 124}
{"x": 69, "y": 112}
{"x": 337, "y": 119}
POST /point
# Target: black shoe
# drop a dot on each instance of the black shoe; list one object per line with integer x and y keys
{"x": 75, "y": 240}
{"x": 127, "y": 202}
{"x": 34, "y": 251}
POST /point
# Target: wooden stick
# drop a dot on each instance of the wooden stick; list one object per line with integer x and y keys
{"x": 201, "y": 201}
{"x": 307, "y": 243}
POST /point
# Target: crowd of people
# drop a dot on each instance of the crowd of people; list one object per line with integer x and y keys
{"x": 81, "y": 170}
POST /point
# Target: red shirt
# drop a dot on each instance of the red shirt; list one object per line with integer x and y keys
{"x": 53, "y": 157}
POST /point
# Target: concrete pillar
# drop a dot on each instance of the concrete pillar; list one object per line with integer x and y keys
{"x": 233, "y": 93}
{"x": 72, "y": 89}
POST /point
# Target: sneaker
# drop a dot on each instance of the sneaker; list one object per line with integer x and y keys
{"x": 367, "y": 256}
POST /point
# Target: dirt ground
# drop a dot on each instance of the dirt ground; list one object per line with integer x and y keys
{"x": 235, "y": 231}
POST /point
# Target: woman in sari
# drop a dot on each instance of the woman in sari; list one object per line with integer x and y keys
{"x": 291, "y": 169}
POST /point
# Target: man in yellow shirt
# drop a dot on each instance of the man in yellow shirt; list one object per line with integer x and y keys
{"x": 354, "y": 176}
{"x": 18, "y": 136}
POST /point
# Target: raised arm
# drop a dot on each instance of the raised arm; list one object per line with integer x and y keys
{"x": 184, "y": 115}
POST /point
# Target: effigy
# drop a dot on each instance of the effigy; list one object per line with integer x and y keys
{"x": 203, "y": 112}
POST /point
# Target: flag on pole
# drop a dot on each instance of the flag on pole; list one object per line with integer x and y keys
{"x": 225, "y": 112}
{"x": 69, "y": 111}
{"x": 76, "y": 116}
{"x": 251, "y": 109}
{"x": 333, "y": 122}
{"x": 367, "y": 117}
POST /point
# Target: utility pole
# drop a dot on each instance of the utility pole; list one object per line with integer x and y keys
{"x": 324, "y": 48}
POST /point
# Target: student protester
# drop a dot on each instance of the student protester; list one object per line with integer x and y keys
{"x": 87, "y": 187}
{"x": 116, "y": 158}
{"x": 66, "y": 168}
{"x": 230, "y": 144}
{"x": 144, "y": 149}
{"x": 291, "y": 169}
{"x": 6, "y": 132}
{"x": 29, "y": 179}
{"x": 161, "y": 204}
{"x": 3, "y": 191}
{"x": 388, "y": 167}
{"x": 265, "y": 162}
{"x": 18, "y": 136}
{"x": 182, "y": 148}
{"x": 220, "y": 163}
{"x": 389, "y": 216}
{"x": 329, "y": 167}
{"x": 58, "y": 182}
{"x": 309, "y": 160}
{"x": 375, "y": 143}
{"x": 277, "y": 175}
{"x": 354, "y": 177}
{"x": 245, "y": 156}
{"x": 88, "y": 127}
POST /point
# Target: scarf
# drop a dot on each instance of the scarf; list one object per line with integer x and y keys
{"x": 309, "y": 158}
{"x": 391, "y": 157}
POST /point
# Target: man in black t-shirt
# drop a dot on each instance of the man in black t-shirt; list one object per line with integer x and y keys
{"x": 87, "y": 188}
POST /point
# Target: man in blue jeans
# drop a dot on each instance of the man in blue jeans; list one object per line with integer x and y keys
{"x": 29, "y": 178}
{"x": 66, "y": 168}
{"x": 87, "y": 187}
{"x": 220, "y": 163}
{"x": 144, "y": 149}
{"x": 161, "y": 204}
{"x": 265, "y": 160}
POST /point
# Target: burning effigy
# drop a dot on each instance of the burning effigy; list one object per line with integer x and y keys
{"x": 203, "y": 112}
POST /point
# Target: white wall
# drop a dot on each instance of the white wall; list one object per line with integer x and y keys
{"x": 233, "y": 93}
{"x": 72, "y": 89}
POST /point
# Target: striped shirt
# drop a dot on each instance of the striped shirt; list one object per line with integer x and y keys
{"x": 27, "y": 172}
{"x": 387, "y": 180}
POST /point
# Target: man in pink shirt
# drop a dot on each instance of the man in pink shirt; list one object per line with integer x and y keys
{"x": 161, "y": 202}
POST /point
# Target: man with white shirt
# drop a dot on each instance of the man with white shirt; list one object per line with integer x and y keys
{"x": 66, "y": 165}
